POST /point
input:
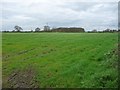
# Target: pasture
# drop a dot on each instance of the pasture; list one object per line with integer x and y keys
{"x": 59, "y": 60}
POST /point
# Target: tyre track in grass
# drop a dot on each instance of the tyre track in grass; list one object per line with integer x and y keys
{"x": 44, "y": 53}
{"x": 27, "y": 51}
{"x": 25, "y": 78}
{"x": 18, "y": 53}
{"x": 41, "y": 54}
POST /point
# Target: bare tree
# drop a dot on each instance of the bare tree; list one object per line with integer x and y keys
{"x": 18, "y": 28}
{"x": 37, "y": 29}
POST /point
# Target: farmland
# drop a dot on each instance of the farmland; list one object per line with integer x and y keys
{"x": 60, "y": 60}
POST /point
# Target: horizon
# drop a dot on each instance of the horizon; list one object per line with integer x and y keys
{"x": 42, "y": 29}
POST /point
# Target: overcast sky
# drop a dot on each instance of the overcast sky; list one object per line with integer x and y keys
{"x": 30, "y": 14}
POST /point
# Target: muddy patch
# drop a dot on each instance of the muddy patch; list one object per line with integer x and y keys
{"x": 23, "y": 79}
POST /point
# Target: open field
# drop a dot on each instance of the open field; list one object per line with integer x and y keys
{"x": 59, "y": 60}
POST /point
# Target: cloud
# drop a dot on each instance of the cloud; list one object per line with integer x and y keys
{"x": 36, "y": 13}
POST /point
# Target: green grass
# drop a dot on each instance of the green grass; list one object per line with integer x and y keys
{"x": 63, "y": 59}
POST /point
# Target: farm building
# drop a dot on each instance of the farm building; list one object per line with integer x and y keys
{"x": 46, "y": 28}
{"x": 71, "y": 29}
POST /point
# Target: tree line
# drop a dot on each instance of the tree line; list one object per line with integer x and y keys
{"x": 62, "y": 29}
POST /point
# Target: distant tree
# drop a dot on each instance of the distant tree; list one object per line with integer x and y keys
{"x": 13, "y": 30}
{"x": 118, "y": 30}
{"x": 5, "y": 31}
{"x": 18, "y": 28}
{"x": 37, "y": 29}
{"x": 107, "y": 30}
{"x": 31, "y": 31}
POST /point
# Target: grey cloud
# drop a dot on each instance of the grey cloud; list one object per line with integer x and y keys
{"x": 81, "y": 14}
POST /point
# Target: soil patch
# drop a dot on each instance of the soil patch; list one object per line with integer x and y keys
{"x": 23, "y": 79}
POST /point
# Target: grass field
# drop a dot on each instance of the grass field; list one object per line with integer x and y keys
{"x": 59, "y": 60}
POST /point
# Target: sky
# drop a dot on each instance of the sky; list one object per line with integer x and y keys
{"x": 30, "y": 14}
